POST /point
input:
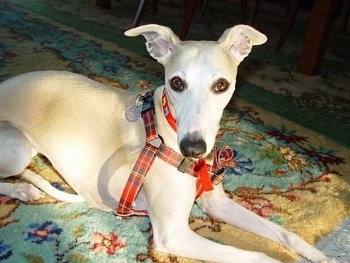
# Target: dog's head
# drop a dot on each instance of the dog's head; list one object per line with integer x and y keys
{"x": 200, "y": 78}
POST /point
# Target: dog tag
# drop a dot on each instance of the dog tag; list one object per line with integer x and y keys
{"x": 133, "y": 113}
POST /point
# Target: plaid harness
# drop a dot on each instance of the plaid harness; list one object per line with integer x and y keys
{"x": 206, "y": 174}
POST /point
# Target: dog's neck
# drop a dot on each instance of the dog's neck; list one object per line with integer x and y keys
{"x": 165, "y": 129}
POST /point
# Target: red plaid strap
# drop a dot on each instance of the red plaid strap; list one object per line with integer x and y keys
{"x": 150, "y": 127}
{"x": 148, "y": 117}
{"x": 143, "y": 163}
{"x": 135, "y": 181}
{"x": 206, "y": 174}
{"x": 222, "y": 158}
{"x": 216, "y": 171}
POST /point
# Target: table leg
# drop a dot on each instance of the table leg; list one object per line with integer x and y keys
{"x": 319, "y": 28}
{"x": 189, "y": 10}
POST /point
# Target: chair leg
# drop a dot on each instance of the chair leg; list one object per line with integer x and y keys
{"x": 254, "y": 12}
{"x": 291, "y": 12}
{"x": 204, "y": 7}
{"x": 189, "y": 10}
{"x": 155, "y": 7}
{"x": 103, "y": 3}
{"x": 139, "y": 13}
{"x": 243, "y": 17}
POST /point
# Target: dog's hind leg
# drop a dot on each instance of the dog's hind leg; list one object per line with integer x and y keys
{"x": 15, "y": 154}
{"x": 218, "y": 205}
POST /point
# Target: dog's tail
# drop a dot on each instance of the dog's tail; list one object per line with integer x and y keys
{"x": 46, "y": 187}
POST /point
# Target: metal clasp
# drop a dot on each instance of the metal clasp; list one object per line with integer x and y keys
{"x": 185, "y": 165}
{"x": 156, "y": 142}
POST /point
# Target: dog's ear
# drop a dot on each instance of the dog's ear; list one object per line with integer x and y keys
{"x": 238, "y": 41}
{"x": 161, "y": 40}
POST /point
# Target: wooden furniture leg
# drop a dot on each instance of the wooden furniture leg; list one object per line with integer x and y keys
{"x": 243, "y": 16}
{"x": 139, "y": 13}
{"x": 189, "y": 11}
{"x": 103, "y": 3}
{"x": 319, "y": 28}
{"x": 292, "y": 8}
{"x": 189, "y": 7}
{"x": 254, "y": 12}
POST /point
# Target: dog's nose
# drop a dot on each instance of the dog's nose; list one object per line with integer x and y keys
{"x": 193, "y": 146}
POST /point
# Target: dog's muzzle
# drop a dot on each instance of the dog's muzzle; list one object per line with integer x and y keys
{"x": 193, "y": 146}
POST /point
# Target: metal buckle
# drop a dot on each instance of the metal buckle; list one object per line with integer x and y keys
{"x": 185, "y": 165}
{"x": 147, "y": 102}
{"x": 218, "y": 176}
{"x": 222, "y": 170}
{"x": 156, "y": 142}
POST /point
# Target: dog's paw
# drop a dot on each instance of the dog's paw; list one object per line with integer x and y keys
{"x": 328, "y": 260}
{"x": 324, "y": 260}
{"x": 26, "y": 192}
{"x": 316, "y": 256}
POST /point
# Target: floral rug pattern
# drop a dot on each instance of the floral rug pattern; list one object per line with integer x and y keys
{"x": 278, "y": 169}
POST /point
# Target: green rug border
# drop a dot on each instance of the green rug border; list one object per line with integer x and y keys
{"x": 283, "y": 106}
{"x": 278, "y": 104}
{"x": 138, "y": 44}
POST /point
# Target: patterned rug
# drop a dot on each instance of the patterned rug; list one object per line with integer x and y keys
{"x": 281, "y": 170}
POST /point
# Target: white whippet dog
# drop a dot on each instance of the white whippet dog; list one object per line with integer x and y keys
{"x": 80, "y": 126}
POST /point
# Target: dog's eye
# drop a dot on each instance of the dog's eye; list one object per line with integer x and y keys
{"x": 177, "y": 84}
{"x": 221, "y": 85}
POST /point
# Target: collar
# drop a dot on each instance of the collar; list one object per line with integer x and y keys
{"x": 167, "y": 111}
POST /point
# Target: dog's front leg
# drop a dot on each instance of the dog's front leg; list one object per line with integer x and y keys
{"x": 218, "y": 205}
{"x": 170, "y": 197}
